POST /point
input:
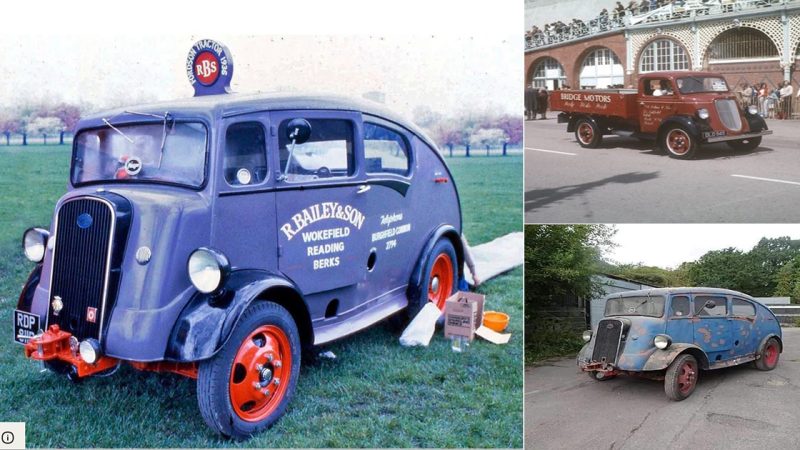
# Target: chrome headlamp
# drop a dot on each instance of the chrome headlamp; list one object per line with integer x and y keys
{"x": 34, "y": 242}
{"x": 752, "y": 109}
{"x": 587, "y": 335}
{"x": 89, "y": 350}
{"x": 208, "y": 269}
{"x": 702, "y": 113}
{"x": 662, "y": 341}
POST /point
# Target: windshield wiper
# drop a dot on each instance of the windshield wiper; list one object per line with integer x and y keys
{"x": 168, "y": 119}
{"x": 117, "y": 130}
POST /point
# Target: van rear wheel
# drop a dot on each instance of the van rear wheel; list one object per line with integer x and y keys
{"x": 769, "y": 356}
{"x": 248, "y": 384}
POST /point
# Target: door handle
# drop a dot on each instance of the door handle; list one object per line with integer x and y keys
{"x": 363, "y": 188}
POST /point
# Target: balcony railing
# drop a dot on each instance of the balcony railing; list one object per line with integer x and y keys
{"x": 556, "y": 34}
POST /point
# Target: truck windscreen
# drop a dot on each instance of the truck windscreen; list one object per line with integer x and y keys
{"x": 695, "y": 85}
{"x": 153, "y": 152}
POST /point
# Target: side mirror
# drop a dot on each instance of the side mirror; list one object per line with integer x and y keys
{"x": 298, "y": 131}
{"x": 710, "y": 305}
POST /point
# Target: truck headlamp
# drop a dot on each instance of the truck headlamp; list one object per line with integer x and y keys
{"x": 34, "y": 241}
{"x": 587, "y": 335}
{"x": 702, "y": 113}
{"x": 662, "y": 341}
{"x": 208, "y": 269}
{"x": 752, "y": 110}
{"x": 89, "y": 350}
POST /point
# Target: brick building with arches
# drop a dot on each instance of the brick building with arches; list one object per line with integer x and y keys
{"x": 751, "y": 41}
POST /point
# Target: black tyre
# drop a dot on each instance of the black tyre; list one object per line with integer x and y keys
{"x": 588, "y": 134}
{"x": 678, "y": 142}
{"x": 769, "y": 355}
{"x": 745, "y": 145}
{"x": 600, "y": 376}
{"x": 247, "y": 385}
{"x": 440, "y": 277}
{"x": 681, "y": 378}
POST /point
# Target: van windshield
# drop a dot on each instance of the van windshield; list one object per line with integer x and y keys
{"x": 695, "y": 85}
{"x": 175, "y": 154}
{"x": 652, "y": 306}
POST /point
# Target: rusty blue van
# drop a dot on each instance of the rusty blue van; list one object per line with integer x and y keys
{"x": 672, "y": 334}
{"x": 223, "y": 236}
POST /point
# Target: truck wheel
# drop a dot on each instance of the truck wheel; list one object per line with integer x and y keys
{"x": 769, "y": 356}
{"x": 588, "y": 134}
{"x": 246, "y": 386}
{"x": 681, "y": 377}
{"x": 679, "y": 143}
{"x": 745, "y": 145}
{"x": 440, "y": 279}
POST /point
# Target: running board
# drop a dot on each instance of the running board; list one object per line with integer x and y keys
{"x": 389, "y": 304}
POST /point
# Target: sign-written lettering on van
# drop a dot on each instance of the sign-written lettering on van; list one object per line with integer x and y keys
{"x": 322, "y": 211}
{"x": 577, "y": 96}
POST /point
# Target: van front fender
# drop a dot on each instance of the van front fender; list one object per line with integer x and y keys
{"x": 206, "y": 322}
{"x": 661, "y": 359}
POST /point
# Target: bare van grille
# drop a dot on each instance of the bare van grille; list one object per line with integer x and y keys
{"x": 84, "y": 230}
{"x": 607, "y": 340}
{"x": 728, "y": 113}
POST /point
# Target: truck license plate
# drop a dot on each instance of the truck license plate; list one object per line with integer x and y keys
{"x": 26, "y": 325}
{"x": 710, "y": 134}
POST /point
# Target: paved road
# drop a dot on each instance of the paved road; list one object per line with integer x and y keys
{"x": 627, "y": 181}
{"x": 739, "y": 407}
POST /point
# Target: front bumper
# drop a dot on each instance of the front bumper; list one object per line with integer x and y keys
{"x": 738, "y": 137}
{"x": 54, "y": 345}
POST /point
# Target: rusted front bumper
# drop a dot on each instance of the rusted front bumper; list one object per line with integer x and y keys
{"x": 738, "y": 137}
{"x": 54, "y": 345}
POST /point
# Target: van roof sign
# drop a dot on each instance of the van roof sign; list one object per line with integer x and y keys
{"x": 209, "y": 67}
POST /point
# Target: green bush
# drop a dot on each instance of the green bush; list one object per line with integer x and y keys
{"x": 551, "y": 342}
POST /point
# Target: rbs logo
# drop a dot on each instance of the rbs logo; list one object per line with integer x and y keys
{"x": 206, "y": 68}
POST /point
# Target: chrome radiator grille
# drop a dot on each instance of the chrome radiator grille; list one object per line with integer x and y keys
{"x": 728, "y": 112}
{"x": 81, "y": 260}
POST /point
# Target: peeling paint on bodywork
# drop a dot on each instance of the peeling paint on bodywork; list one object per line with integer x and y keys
{"x": 706, "y": 334}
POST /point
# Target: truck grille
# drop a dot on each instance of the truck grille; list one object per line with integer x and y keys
{"x": 81, "y": 259}
{"x": 607, "y": 340}
{"x": 728, "y": 112}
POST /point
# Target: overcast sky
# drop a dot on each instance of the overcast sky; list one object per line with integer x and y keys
{"x": 669, "y": 245}
{"x": 447, "y": 73}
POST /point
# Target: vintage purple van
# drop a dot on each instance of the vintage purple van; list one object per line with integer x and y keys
{"x": 220, "y": 236}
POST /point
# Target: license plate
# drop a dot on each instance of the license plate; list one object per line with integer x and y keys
{"x": 26, "y": 325}
{"x": 710, "y": 134}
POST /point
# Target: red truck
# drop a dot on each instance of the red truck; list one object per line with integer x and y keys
{"x": 680, "y": 110}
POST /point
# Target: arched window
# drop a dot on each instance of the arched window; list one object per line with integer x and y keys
{"x": 663, "y": 54}
{"x": 548, "y": 74}
{"x": 741, "y": 43}
{"x": 601, "y": 69}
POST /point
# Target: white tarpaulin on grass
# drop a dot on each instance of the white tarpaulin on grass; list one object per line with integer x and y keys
{"x": 496, "y": 257}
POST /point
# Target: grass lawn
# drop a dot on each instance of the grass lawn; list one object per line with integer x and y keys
{"x": 374, "y": 394}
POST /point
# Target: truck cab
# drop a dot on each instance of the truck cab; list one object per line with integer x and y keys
{"x": 220, "y": 236}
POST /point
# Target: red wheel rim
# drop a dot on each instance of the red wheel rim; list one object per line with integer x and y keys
{"x": 771, "y": 354}
{"x": 260, "y": 373}
{"x": 678, "y": 142}
{"x": 585, "y": 133}
{"x": 687, "y": 377}
{"x": 441, "y": 280}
